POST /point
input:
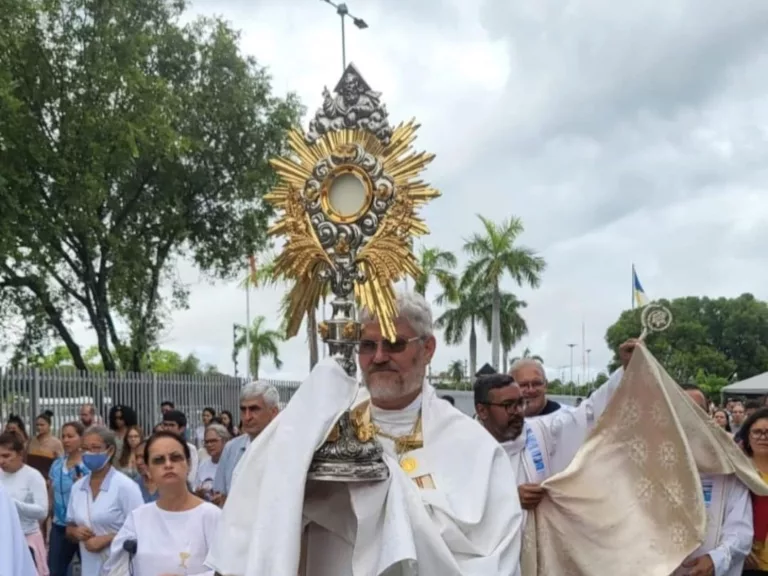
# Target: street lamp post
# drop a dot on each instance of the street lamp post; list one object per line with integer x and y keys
{"x": 589, "y": 376}
{"x": 343, "y": 12}
{"x": 572, "y": 346}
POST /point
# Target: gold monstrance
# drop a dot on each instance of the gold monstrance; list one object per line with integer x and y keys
{"x": 347, "y": 197}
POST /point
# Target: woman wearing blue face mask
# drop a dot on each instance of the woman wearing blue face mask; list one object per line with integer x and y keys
{"x": 100, "y": 502}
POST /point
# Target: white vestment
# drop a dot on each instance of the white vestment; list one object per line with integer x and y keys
{"x": 469, "y": 524}
{"x": 15, "y": 557}
{"x": 548, "y": 443}
{"x": 729, "y": 524}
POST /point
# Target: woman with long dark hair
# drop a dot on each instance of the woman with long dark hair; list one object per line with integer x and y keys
{"x": 65, "y": 471}
{"x": 120, "y": 419}
{"x": 172, "y": 534}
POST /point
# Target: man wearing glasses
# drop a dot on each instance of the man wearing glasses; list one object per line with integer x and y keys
{"x": 447, "y": 508}
{"x": 543, "y": 446}
{"x": 529, "y": 375}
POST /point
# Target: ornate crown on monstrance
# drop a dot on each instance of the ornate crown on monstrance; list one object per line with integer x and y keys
{"x": 348, "y": 197}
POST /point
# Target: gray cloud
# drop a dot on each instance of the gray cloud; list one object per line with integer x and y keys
{"x": 619, "y": 132}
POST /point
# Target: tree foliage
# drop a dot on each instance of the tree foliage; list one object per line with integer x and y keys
{"x": 264, "y": 343}
{"x": 128, "y": 141}
{"x": 495, "y": 254}
{"x": 158, "y": 361}
{"x": 711, "y": 341}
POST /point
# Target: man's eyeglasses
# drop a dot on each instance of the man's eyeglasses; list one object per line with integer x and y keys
{"x": 531, "y": 385}
{"x": 371, "y": 346}
{"x": 511, "y": 406}
{"x": 757, "y": 434}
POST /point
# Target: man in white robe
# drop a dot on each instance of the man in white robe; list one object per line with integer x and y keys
{"x": 542, "y": 446}
{"x": 15, "y": 556}
{"x": 729, "y": 520}
{"x": 448, "y": 507}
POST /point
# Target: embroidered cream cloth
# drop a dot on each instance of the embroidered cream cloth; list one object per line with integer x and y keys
{"x": 631, "y": 500}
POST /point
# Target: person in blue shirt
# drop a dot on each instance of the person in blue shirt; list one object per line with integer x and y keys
{"x": 65, "y": 471}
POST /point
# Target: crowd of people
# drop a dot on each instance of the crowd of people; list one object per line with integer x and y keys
{"x": 457, "y": 501}
{"x": 81, "y": 494}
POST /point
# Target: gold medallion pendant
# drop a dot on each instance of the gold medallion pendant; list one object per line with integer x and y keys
{"x": 347, "y": 200}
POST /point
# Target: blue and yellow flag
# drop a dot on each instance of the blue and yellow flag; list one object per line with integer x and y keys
{"x": 639, "y": 298}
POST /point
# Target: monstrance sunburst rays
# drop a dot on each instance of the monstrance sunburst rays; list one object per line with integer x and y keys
{"x": 386, "y": 257}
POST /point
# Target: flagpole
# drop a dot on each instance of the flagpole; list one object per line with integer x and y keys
{"x": 248, "y": 328}
{"x": 632, "y": 286}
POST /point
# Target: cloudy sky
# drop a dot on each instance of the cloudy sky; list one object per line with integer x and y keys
{"x": 619, "y": 132}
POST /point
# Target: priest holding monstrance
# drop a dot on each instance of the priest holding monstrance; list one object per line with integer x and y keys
{"x": 383, "y": 478}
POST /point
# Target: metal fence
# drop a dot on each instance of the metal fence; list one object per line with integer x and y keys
{"x": 29, "y": 392}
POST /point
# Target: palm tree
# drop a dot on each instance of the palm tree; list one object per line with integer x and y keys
{"x": 465, "y": 312}
{"x": 494, "y": 254}
{"x": 265, "y": 276}
{"x": 455, "y": 372}
{"x": 513, "y": 325}
{"x": 436, "y": 264}
{"x": 264, "y": 343}
{"x": 527, "y": 355}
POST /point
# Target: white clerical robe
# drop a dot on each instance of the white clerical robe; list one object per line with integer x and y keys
{"x": 15, "y": 557}
{"x": 729, "y": 524}
{"x": 548, "y": 443}
{"x": 469, "y": 524}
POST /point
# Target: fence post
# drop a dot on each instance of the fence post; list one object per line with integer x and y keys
{"x": 155, "y": 401}
{"x": 35, "y": 396}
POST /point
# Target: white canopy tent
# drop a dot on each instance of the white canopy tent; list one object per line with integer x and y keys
{"x": 754, "y": 386}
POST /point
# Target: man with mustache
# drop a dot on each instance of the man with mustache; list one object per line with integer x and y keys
{"x": 447, "y": 508}
{"x": 542, "y": 446}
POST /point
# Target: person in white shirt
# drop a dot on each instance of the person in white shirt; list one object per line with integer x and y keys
{"x": 542, "y": 446}
{"x": 171, "y": 536}
{"x": 176, "y": 421}
{"x": 728, "y": 541}
{"x": 15, "y": 555}
{"x": 100, "y": 502}
{"x": 29, "y": 492}
{"x": 216, "y": 437}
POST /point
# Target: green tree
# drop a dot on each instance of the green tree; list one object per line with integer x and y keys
{"x": 128, "y": 140}
{"x": 465, "y": 310}
{"x": 513, "y": 325}
{"x": 528, "y": 354}
{"x": 455, "y": 372}
{"x": 436, "y": 264}
{"x": 494, "y": 254}
{"x": 724, "y": 338}
{"x": 158, "y": 361}
{"x": 264, "y": 344}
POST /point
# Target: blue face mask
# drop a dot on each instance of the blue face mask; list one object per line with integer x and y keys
{"x": 95, "y": 461}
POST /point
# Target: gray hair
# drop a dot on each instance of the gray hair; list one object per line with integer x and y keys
{"x": 220, "y": 430}
{"x": 411, "y": 307}
{"x": 258, "y": 388}
{"x": 107, "y": 436}
{"x": 524, "y": 362}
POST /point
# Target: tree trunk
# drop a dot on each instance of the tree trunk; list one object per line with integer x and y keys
{"x": 472, "y": 351}
{"x": 253, "y": 358}
{"x": 505, "y": 360}
{"x": 312, "y": 338}
{"x": 495, "y": 327}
